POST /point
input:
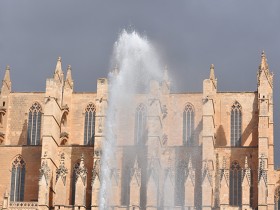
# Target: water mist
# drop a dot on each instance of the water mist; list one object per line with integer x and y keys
{"x": 137, "y": 64}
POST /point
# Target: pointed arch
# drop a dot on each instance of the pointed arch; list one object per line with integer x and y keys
{"x": 235, "y": 124}
{"x": 89, "y": 127}
{"x": 34, "y": 124}
{"x": 17, "y": 179}
{"x": 188, "y": 124}
{"x": 140, "y": 123}
{"x": 235, "y": 185}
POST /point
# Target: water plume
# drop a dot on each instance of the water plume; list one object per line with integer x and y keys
{"x": 137, "y": 64}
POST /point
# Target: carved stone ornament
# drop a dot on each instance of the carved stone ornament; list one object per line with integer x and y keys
{"x": 95, "y": 171}
{"x": 224, "y": 172}
{"x": 247, "y": 172}
{"x": 81, "y": 171}
{"x": 115, "y": 175}
{"x": 262, "y": 173}
{"x": 61, "y": 171}
{"x": 135, "y": 173}
{"x": 164, "y": 111}
{"x": 206, "y": 173}
{"x": 45, "y": 171}
{"x": 190, "y": 172}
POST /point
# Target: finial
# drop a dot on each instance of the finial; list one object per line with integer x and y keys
{"x": 212, "y": 73}
{"x": 59, "y": 58}
{"x": 7, "y": 68}
{"x": 69, "y": 68}
{"x": 264, "y": 64}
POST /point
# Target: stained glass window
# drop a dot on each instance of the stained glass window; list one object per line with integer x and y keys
{"x": 34, "y": 124}
{"x": 235, "y": 123}
{"x": 235, "y": 184}
{"x": 89, "y": 130}
{"x": 17, "y": 179}
{"x": 188, "y": 125}
{"x": 140, "y": 123}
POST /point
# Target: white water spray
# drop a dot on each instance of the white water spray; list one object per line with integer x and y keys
{"x": 138, "y": 63}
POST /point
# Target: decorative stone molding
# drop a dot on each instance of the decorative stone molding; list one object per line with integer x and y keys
{"x": 81, "y": 171}
{"x": 135, "y": 173}
{"x": 224, "y": 172}
{"x": 45, "y": 171}
{"x": 206, "y": 173}
{"x": 262, "y": 172}
{"x": 96, "y": 170}
{"x": 164, "y": 139}
{"x": 164, "y": 111}
{"x": 65, "y": 109}
{"x": 23, "y": 205}
{"x": 247, "y": 172}
{"x": 190, "y": 172}
{"x": 115, "y": 174}
{"x": 61, "y": 171}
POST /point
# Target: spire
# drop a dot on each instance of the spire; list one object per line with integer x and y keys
{"x": 263, "y": 67}
{"x": 69, "y": 80}
{"x": 6, "y": 83}
{"x": 58, "y": 73}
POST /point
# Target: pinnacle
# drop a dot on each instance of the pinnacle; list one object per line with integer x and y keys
{"x": 263, "y": 61}
{"x": 7, "y": 68}
{"x": 212, "y": 72}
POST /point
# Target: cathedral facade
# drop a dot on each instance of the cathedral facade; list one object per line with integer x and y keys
{"x": 208, "y": 150}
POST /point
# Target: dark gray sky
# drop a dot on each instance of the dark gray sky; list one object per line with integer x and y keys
{"x": 190, "y": 35}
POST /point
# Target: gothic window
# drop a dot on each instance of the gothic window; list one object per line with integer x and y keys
{"x": 89, "y": 131}
{"x": 235, "y": 124}
{"x": 17, "y": 179}
{"x": 140, "y": 123}
{"x": 188, "y": 125}
{"x": 34, "y": 124}
{"x": 235, "y": 184}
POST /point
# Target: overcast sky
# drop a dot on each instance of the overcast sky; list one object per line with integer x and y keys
{"x": 190, "y": 35}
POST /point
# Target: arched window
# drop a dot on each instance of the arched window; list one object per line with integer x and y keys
{"x": 235, "y": 184}
{"x": 235, "y": 125}
{"x": 140, "y": 123}
{"x": 89, "y": 131}
{"x": 188, "y": 125}
{"x": 34, "y": 124}
{"x": 17, "y": 179}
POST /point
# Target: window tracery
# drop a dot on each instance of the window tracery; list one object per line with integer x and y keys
{"x": 17, "y": 179}
{"x": 89, "y": 130}
{"x": 140, "y": 123}
{"x": 188, "y": 124}
{"x": 34, "y": 124}
{"x": 235, "y": 184}
{"x": 235, "y": 124}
